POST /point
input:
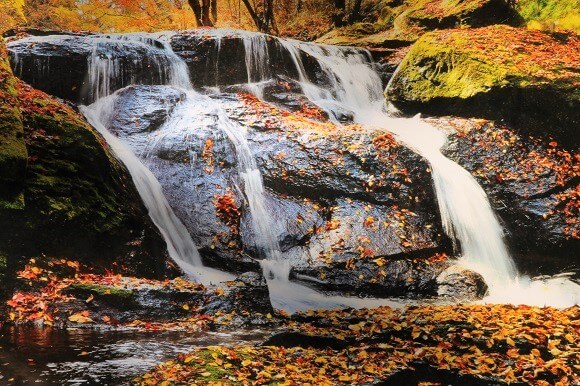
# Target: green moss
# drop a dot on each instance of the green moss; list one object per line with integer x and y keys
{"x": 464, "y": 63}
{"x": 551, "y": 14}
{"x": 433, "y": 70}
{"x": 71, "y": 177}
{"x": 13, "y": 154}
{"x": 3, "y": 266}
{"x": 103, "y": 291}
{"x": 528, "y": 78}
{"x": 403, "y": 22}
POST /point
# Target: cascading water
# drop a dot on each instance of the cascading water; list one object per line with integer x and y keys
{"x": 466, "y": 213}
{"x": 117, "y": 61}
{"x": 104, "y": 70}
{"x": 351, "y": 85}
{"x": 274, "y": 266}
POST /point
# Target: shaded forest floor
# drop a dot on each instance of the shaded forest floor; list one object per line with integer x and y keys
{"x": 458, "y": 344}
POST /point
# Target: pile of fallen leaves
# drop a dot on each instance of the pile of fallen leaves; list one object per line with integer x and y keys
{"x": 228, "y": 210}
{"x": 536, "y": 54}
{"x": 499, "y": 343}
{"x": 44, "y": 297}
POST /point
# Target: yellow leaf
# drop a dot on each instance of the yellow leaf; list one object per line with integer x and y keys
{"x": 80, "y": 318}
{"x": 246, "y": 362}
{"x": 510, "y": 341}
{"x": 206, "y": 374}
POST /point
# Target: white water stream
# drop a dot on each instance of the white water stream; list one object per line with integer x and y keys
{"x": 466, "y": 213}
{"x": 103, "y": 68}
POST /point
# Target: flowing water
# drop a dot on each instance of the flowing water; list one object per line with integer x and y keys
{"x": 103, "y": 70}
{"x": 352, "y": 85}
{"x": 119, "y": 60}
{"x": 48, "y": 356}
{"x": 466, "y": 212}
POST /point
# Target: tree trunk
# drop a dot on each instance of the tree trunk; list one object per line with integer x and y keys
{"x": 253, "y": 14}
{"x": 355, "y": 13}
{"x": 206, "y": 11}
{"x": 299, "y": 6}
{"x": 339, "y": 13}
{"x": 202, "y": 12}
{"x": 196, "y": 7}
{"x": 214, "y": 11}
{"x": 265, "y": 21}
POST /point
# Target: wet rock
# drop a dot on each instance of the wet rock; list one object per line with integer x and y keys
{"x": 424, "y": 373}
{"x": 472, "y": 73}
{"x": 290, "y": 339}
{"x": 531, "y": 184}
{"x": 459, "y": 283}
{"x": 57, "y": 64}
{"x": 80, "y": 201}
{"x": 195, "y": 166}
{"x": 247, "y": 295}
{"x": 209, "y": 55}
{"x": 127, "y": 304}
{"x": 340, "y": 201}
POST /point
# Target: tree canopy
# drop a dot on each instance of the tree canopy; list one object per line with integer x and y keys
{"x": 300, "y": 18}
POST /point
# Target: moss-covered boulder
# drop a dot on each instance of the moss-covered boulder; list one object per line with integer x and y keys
{"x": 62, "y": 191}
{"x": 551, "y": 15}
{"x": 12, "y": 148}
{"x": 397, "y": 23}
{"x": 528, "y": 78}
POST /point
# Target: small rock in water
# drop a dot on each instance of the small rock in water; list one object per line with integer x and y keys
{"x": 249, "y": 292}
{"x": 459, "y": 283}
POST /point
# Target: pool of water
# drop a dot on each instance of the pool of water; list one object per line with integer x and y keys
{"x": 44, "y": 356}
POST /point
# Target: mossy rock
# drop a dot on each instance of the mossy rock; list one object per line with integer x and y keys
{"x": 63, "y": 193}
{"x": 13, "y": 153}
{"x": 550, "y": 15}
{"x": 400, "y": 23}
{"x": 113, "y": 296}
{"x": 528, "y": 78}
{"x": 3, "y": 266}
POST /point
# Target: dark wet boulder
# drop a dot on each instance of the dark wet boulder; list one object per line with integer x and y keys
{"x": 60, "y": 64}
{"x": 131, "y": 300}
{"x": 75, "y": 198}
{"x": 211, "y": 54}
{"x": 532, "y": 185}
{"x": 248, "y": 293}
{"x": 195, "y": 166}
{"x": 55, "y": 64}
{"x": 527, "y": 78}
{"x": 340, "y": 199}
{"x": 461, "y": 284}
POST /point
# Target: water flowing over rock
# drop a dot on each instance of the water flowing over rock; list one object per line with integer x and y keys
{"x": 76, "y": 199}
{"x": 341, "y": 207}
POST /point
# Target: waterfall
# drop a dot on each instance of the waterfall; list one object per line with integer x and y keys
{"x": 466, "y": 212}
{"x": 351, "y": 85}
{"x": 119, "y": 60}
{"x": 104, "y": 73}
{"x": 263, "y": 226}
